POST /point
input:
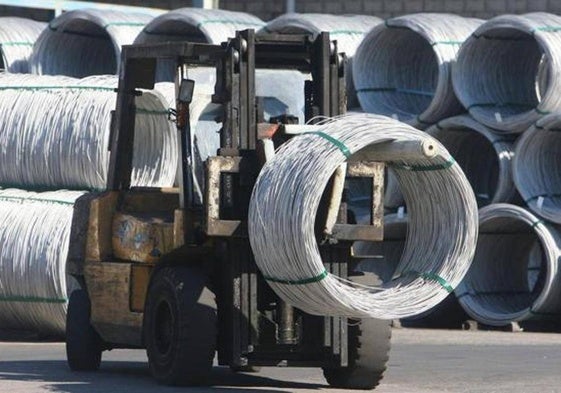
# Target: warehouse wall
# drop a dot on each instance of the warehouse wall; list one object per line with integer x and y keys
{"x": 268, "y": 9}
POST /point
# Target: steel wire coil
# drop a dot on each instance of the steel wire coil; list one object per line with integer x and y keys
{"x": 515, "y": 271}
{"x": 441, "y": 207}
{"x": 402, "y": 68}
{"x": 55, "y": 134}
{"x": 212, "y": 26}
{"x": 485, "y": 157}
{"x": 85, "y": 42}
{"x": 537, "y": 167}
{"x": 34, "y": 241}
{"x": 507, "y": 74}
{"x": 381, "y": 259}
{"x": 347, "y": 30}
{"x": 17, "y": 36}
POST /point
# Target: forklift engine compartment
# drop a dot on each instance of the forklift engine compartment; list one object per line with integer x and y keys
{"x": 161, "y": 271}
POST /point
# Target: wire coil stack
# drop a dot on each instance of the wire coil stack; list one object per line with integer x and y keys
{"x": 348, "y": 30}
{"x": 514, "y": 275}
{"x": 402, "y": 68}
{"x": 537, "y": 167}
{"x": 500, "y": 88}
{"x": 55, "y": 134}
{"x": 17, "y": 36}
{"x": 85, "y": 42}
{"x": 485, "y": 157}
{"x": 35, "y": 234}
{"x": 442, "y": 212}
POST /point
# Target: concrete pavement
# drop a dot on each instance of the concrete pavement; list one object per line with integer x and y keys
{"x": 421, "y": 361}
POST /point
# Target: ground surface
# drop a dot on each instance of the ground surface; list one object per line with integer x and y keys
{"x": 421, "y": 361}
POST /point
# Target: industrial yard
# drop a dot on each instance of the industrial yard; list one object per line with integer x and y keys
{"x": 232, "y": 196}
{"x": 421, "y": 361}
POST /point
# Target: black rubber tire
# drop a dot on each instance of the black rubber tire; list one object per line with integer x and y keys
{"x": 369, "y": 347}
{"x": 83, "y": 344}
{"x": 180, "y": 326}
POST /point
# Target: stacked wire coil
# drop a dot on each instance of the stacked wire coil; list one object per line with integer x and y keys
{"x": 537, "y": 167}
{"x": 17, "y": 37}
{"x": 55, "y": 134}
{"x": 440, "y": 241}
{"x": 500, "y": 88}
{"x": 485, "y": 157}
{"x": 211, "y": 26}
{"x": 402, "y": 68}
{"x": 347, "y": 30}
{"x": 34, "y": 240}
{"x": 85, "y": 42}
{"x": 515, "y": 271}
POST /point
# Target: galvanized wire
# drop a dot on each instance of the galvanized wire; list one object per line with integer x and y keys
{"x": 211, "y": 26}
{"x": 441, "y": 207}
{"x": 347, "y": 30}
{"x": 515, "y": 271}
{"x": 34, "y": 237}
{"x": 485, "y": 157}
{"x": 402, "y": 68}
{"x": 17, "y": 36}
{"x": 507, "y": 73}
{"x": 55, "y": 134}
{"x": 85, "y": 42}
{"x": 537, "y": 167}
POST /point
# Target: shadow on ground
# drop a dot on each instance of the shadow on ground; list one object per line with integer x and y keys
{"x": 54, "y": 375}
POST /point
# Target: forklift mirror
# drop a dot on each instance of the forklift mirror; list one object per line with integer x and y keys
{"x": 186, "y": 91}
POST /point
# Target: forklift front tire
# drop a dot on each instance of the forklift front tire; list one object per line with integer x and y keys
{"x": 180, "y": 326}
{"x": 83, "y": 344}
{"x": 369, "y": 346}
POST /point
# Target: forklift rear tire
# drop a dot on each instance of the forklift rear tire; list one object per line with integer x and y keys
{"x": 83, "y": 344}
{"x": 369, "y": 347}
{"x": 180, "y": 326}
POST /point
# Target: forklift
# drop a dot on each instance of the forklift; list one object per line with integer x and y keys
{"x": 161, "y": 272}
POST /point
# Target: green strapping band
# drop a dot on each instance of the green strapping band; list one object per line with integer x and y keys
{"x": 447, "y": 43}
{"x": 32, "y": 299}
{"x": 240, "y": 22}
{"x": 497, "y": 105}
{"x": 396, "y": 90}
{"x": 535, "y": 224}
{"x": 336, "y": 32}
{"x": 423, "y": 168}
{"x": 17, "y": 43}
{"x": 22, "y": 199}
{"x": 138, "y": 24}
{"x": 317, "y": 278}
{"x": 542, "y": 112}
{"x": 151, "y": 112}
{"x": 433, "y": 277}
{"x": 31, "y": 88}
{"x": 340, "y": 145}
{"x": 547, "y": 29}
